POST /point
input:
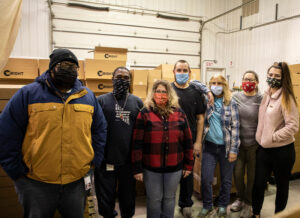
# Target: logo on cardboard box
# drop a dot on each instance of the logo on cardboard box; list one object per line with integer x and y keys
{"x": 102, "y": 86}
{"x": 9, "y": 73}
{"x": 110, "y": 56}
{"x": 101, "y": 73}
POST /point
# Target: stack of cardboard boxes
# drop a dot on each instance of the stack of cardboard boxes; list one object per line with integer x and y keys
{"x": 17, "y": 73}
{"x": 98, "y": 71}
{"x": 295, "y": 74}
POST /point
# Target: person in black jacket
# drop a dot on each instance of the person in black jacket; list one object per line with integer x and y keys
{"x": 120, "y": 109}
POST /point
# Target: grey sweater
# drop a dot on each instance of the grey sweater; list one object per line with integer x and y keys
{"x": 248, "y": 110}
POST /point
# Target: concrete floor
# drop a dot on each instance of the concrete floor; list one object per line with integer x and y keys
{"x": 267, "y": 211}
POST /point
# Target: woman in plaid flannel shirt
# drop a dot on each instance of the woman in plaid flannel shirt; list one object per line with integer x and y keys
{"x": 221, "y": 144}
{"x": 162, "y": 149}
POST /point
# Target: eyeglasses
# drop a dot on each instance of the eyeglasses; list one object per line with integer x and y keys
{"x": 249, "y": 80}
{"x": 161, "y": 91}
{"x": 67, "y": 65}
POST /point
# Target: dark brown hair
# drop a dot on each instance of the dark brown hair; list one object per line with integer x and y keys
{"x": 287, "y": 86}
{"x": 182, "y": 62}
{"x": 255, "y": 75}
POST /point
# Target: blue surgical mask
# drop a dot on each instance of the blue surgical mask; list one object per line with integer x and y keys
{"x": 181, "y": 78}
{"x": 216, "y": 90}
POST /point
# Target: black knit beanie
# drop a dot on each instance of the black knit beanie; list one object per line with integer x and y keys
{"x": 61, "y": 54}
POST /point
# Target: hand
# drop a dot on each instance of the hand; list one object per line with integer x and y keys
{"x": 186, "y": 173}
{"x": 211, "y": 98}
{"x": 232, "y": 157}
{"x": 197, "y": 148}
{"x": 139, "y": 177}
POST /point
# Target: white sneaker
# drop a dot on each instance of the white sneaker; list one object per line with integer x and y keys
{"x": 247, "y": 211}
{"x": 237, "y": 205}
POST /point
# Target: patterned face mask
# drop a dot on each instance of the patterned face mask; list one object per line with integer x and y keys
{"x": 161, "y": 99}
{"x": 121, "y": 87}
{"x": 274, "y": 83}
{"x": 248, "y": 86}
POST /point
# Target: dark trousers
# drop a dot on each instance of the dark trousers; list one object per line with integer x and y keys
{"x": 106, "y": 185}
{"x": 40, "y": 200}
{"x": 212, "y": 154}
{"x": 246, "y": 159}
{"x": 280, "y": 161}
{"x": 186, "y": 191}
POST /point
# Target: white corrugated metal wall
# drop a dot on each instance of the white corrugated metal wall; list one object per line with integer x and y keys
{"x": 258, "y": 48}
{"x": 169, "y": 40}
{"x": 129, "y": 24}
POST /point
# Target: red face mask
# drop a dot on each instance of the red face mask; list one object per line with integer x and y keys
{"x": 248, "y": 86}
{"x": 161, "y": 98}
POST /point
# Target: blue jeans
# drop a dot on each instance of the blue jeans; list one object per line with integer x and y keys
{"x": 161, "y": 193}
{"x": 212, "y": 154}
{"x": 40, "y": 200}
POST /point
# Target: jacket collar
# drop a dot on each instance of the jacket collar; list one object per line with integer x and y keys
{"x": 274, "y": 96}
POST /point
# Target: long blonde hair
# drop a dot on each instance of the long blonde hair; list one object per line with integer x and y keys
{"x": 172, "y": 98}
{"x": 226, "y": 91}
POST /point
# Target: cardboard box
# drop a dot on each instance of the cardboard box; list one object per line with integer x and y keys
{"x": 296, "y": 88}
{"x": 101, "y": 69}
{"x": 166, "y": 72}
{"x": 140, "y": 91}
{"x": 44, "y": 65}
{"x": 100, "y": 85}
{"x": 149, "y": 87}
{"x": 153, "y": 76}
{"x": 2, "y": 104}
{"x": 295, "y": 73}
{"x": 195, "y": 74}
{"x": 20, "y": 68}
{"x": 16, "y": 81}
{"x": 7, "y": 91}
{"x": 140, "y": 77}
{"x": 113, "y": 54}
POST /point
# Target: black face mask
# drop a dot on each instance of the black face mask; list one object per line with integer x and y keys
{"x": 121, "y": 87}
{"x": 273, "y": 82}
{"x": 64, "y": 78}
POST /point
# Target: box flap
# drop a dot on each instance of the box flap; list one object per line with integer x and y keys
{"x": 109, "y": 49}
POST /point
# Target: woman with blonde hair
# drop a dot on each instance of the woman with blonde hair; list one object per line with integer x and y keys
{"x": 220, "y": 144}
{"x": 162, "y": 149}
{"x": 278, "y": 122}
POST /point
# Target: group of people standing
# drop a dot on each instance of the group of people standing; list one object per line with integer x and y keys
{"x": 56, "y": 130}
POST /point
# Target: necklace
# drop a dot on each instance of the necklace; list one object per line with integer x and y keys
{"x": 119, "y": 106}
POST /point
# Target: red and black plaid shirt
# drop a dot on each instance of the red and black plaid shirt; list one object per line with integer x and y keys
{"x": 162, "y": 145}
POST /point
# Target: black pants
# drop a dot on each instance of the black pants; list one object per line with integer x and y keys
{"x": 280, "y": 161}
{"x": 106, "y": 186}
{"x": 186, "y": 191}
